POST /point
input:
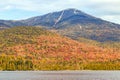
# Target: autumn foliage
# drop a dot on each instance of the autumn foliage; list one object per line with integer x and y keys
{"x": 33, "y": 48}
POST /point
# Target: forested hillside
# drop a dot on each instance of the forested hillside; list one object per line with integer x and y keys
{"x": 34, "y": 48}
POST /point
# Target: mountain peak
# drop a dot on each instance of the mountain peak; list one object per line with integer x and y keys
{"x": 73, "y": 10}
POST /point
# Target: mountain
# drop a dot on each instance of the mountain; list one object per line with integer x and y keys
{"x": 67, "y": 18}
{"x": 73, "y": 23}
{"x": 34, "y": 48}
{"x": 56, "y": 19}
{"x": 11, "y": 23}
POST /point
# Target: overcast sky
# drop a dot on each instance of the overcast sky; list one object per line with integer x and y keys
{"x": 22, "y": 9}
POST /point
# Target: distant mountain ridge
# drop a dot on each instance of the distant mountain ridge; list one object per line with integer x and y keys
{"x": 74, "y": 24}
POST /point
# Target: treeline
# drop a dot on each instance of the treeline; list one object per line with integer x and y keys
{"x": 15, "y": 63}
{"x": 11, "y": 63}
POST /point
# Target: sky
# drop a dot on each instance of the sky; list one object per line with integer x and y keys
{"x": 22, "y": 9}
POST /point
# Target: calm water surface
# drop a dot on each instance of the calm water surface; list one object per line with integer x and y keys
{"x": 59, "y": 75}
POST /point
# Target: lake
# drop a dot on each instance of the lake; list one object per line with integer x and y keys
{"x": 59, "y": 75}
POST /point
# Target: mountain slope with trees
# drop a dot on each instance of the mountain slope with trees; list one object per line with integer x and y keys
{"x": 34, "y": 48}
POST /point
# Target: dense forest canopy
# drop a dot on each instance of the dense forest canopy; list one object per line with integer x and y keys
{"x": 34, "y": 48}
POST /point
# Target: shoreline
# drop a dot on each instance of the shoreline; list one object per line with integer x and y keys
{"x": 57, "y": 70}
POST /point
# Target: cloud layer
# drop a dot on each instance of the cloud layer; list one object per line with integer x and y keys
{"x": 106, "y": 9}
